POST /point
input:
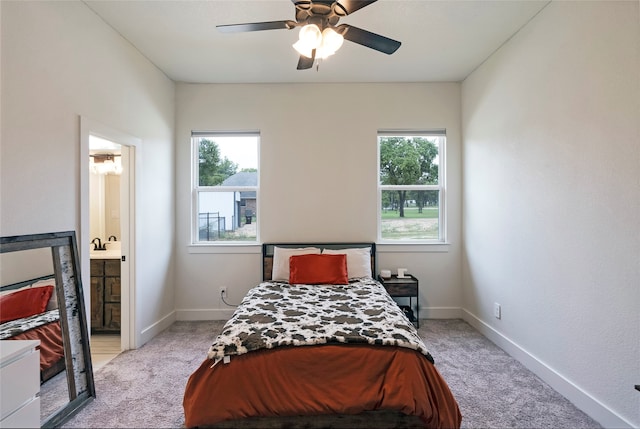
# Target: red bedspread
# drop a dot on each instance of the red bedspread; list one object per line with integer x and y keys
{"x": 326, "y": 379}
{"x": 51, "y": 348}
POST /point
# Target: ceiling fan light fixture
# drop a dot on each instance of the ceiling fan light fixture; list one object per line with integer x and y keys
{"x": 311, "y": 36}
{"x": 303, "y": 49}
{"x": 331, "y": 42}
{"x": 325, "y": 43}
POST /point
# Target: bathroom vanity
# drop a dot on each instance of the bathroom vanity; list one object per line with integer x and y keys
{"x": 105, "y": 293}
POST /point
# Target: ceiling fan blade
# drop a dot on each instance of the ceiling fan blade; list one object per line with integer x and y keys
{"x": 257, "y": 26}
{"x": 350, "y": 6}
{"x": 368, "y": 39}
{"x": 306, "y": 62}
{"x": 302, "y": 4}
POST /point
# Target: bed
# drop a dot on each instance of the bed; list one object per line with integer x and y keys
{"x": 29, "y": 311}
{"x": 319, "y": 343}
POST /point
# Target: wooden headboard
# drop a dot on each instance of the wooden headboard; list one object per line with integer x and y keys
{"x": 267, "y": 253}
{"x": 26, "y": 283}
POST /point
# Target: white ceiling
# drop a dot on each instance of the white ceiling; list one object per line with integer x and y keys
{"x": 441, "y": 40}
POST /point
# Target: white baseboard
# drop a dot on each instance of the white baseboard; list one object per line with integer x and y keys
{"x": 153, "y": 330}
{"x": 204, "y": 314}
{"x": 581, "y": 399}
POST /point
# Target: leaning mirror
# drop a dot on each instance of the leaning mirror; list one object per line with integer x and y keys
{"x": 41, "y": 298}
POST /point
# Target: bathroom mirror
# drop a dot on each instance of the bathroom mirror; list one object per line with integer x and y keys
{"x": 46, "y": 266}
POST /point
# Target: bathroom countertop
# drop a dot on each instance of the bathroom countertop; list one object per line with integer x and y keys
{"x": 105, "y": 254}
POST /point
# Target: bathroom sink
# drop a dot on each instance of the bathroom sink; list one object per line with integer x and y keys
{"x": 105, "y": 254}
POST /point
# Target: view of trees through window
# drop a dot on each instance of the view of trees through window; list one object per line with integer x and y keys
{"x": 227, "y": 183}
{"x": 214, "y": 168}
{"x": 410, "y": 187}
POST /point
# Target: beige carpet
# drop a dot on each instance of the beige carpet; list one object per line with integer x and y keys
{"x": 143, "y": 388}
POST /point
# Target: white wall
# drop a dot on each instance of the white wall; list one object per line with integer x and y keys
{"x": 96, "y": 206}
{"x": 318, "y": 179}
{"x": 25, "y": 265}
{"x": 552, "y": 202}
{"x": 59, "y": 62}
{"x": 551, "y": 178}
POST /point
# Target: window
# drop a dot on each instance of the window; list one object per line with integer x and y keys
{"x": 225, "y": 187}
{"x": 411, "y": 181}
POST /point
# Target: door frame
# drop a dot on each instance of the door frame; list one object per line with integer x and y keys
{"x": 129, "y": 236}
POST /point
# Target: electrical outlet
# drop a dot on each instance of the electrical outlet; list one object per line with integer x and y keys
{"x": 497, "y": 311}
{"x": 223, "y": 291}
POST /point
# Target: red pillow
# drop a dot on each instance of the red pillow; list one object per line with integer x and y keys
{"x": 24, "y": 303}
{"x": 318, "y": 269}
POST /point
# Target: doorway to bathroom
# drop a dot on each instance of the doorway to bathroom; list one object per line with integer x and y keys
{"x": 105, "y": 253}
{"x": 108, "y": 237}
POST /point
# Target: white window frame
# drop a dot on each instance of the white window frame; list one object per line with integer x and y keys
{"x": 197, "y": 189}
{"x": 441, "y": 186}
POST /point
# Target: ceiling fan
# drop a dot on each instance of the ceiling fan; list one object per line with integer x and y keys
{"x": 320, "y": 36}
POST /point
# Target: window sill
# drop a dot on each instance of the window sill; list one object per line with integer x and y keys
{"x": 394, "y": 247}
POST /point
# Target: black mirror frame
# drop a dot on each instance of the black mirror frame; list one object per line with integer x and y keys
{"x": 73, "y": 316}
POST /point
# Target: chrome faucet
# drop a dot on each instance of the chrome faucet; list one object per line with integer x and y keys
{"x": 98, "y": 245}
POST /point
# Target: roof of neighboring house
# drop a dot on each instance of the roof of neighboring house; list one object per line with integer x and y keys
{"x": 243, "y": 178}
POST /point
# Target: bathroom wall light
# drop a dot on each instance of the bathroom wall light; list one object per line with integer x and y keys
{"x": 106, "y": 163}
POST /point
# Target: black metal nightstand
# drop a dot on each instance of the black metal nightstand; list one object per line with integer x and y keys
{"x": 406, "y": 287}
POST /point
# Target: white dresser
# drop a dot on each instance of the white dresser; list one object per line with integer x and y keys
{"x": 19, "y": 384}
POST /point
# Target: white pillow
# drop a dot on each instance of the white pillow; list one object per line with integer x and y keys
{"x": 358, "y": 261}
{"x": 281, "y": 257}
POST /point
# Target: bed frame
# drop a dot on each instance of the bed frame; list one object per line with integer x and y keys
{"x": 267, "y": 253}
{"x": 24, "y": 283}
{"x": 364, "y": 420}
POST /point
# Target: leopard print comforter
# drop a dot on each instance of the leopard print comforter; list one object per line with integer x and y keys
{"x": 275, "y": 314}
{"x": 18, "y": 326}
